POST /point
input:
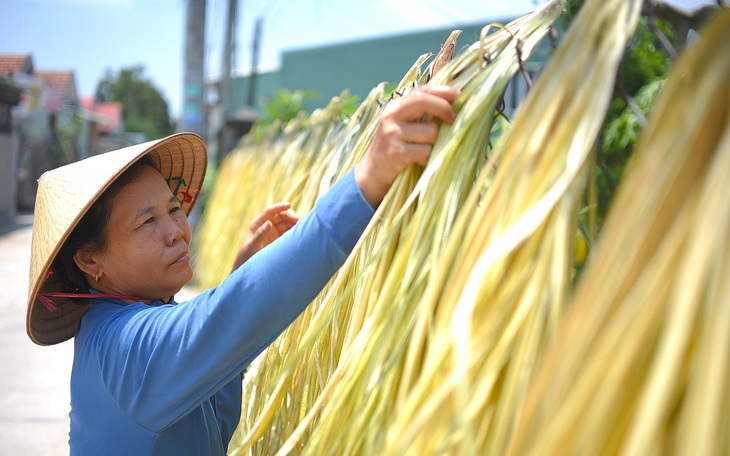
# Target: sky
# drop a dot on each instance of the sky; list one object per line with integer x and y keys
{"x": 90, "y": 37}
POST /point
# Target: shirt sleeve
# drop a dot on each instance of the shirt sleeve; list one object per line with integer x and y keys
{"x": 227, "y": 403}
{"x": 162, "y": 362}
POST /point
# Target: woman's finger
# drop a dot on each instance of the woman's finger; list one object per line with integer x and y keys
{"x": 417, "y": 153}
{"x": 426, "y": 100}
{"x": 268, "y": 214}
{"x": 420, "y": 133}
{"x": 270, "y": 231}
{"x": 286, "y": 216}
{"x": 282, "y": 227}
{"x": 260, "y": 235}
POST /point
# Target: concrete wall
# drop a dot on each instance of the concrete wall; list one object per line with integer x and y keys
{"x": 8, "y": 173}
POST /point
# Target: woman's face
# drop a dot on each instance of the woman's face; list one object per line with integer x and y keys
{"x": 148, "y": 240}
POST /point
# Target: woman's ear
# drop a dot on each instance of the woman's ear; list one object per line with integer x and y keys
{"x": 87, "y": 262}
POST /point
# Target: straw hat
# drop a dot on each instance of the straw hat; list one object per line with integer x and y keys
{"x": 65, "y": 194}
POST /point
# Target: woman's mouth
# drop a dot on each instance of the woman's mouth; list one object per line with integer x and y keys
{"x": 182, "y": 259}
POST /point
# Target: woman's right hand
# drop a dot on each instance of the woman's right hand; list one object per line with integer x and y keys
{"x": 403, "y": 138}
{"x": 267, "y": 227}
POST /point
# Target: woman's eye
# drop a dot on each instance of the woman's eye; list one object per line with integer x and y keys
{"x": 149, "y": 220}
{"x": 175, "y": 209}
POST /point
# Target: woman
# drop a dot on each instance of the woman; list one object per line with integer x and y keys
{"x": 110, "y": 250}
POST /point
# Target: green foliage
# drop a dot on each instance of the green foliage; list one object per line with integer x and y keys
{"x": 283, "y": 107}
{"x": 640, "y": 76}
{"x": 286, "y": 105}
{"x": 618, "y": 138}
{"x": 645, "y": 59}
{"x": 571, "y": 9}
{"x": 9, "y": 92}
{"x": 351, "y": 104}
{"x": 622, "y": 132}
{"x": 63, "y": 142}
{"x": 143, "y": 124}
{"x": 144, "y": 109}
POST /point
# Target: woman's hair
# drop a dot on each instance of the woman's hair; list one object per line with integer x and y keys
{"x": 91, "y": 232}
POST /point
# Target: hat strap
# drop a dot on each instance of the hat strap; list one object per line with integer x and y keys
{"x": 45, "y": 297}
{"x": 51, "y": 306}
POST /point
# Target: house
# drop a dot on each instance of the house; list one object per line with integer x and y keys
{"x": 102, "y": 127}
{"x": 11, "y": 64}
{"x": 10, "y": 97}
{"x": 62, "y": 89}
{"x": 39, "y": 132}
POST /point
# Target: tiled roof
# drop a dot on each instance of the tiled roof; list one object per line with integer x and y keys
{"x": 61, "y": 81}
{"x": 109, "y": 114}
{"x": 15, "y": 63}
{"x": 87, "y": 102}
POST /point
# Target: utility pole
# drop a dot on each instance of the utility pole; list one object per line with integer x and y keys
{"x": 226, "y": 136}
{"x": 254, "y": 63}
{"x": 229, "y": 49}
{"x": 194, "y": 112}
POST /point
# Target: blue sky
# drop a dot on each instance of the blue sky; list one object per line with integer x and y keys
{"x": 90, "y": 36}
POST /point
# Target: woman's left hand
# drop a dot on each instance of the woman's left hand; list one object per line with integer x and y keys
{"x": 267, "y": 227}
{"x": 403, "y": 137}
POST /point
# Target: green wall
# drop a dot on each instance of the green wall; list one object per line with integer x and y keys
{"x": 357, "y": 65}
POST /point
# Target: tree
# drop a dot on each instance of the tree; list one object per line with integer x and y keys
{"x": 143, "y": 107}
{"x": 287, "y": 105}
{"x": 639, "y": 79}
{"x": 661, "y": 32}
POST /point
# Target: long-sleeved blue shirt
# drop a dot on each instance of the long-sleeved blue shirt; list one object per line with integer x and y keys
{"x": 165, "y": 379}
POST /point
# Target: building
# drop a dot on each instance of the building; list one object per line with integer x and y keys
{"x": 10, "y": 98}
{"x": 39, "y": 132}
{"x": 357, "y": 66}
{"x": 102, "y": 127}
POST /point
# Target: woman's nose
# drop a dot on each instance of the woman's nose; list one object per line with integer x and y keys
{"x": 175, "y": 231}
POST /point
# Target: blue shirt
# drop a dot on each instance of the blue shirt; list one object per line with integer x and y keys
{"x": 165, "y": 379}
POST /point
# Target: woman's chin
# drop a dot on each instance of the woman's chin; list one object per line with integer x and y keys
{"x": 175, "y": 287}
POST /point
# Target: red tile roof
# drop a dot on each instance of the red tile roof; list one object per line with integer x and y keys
{"x": 15, "y": 63}
{"x": 87, "y": 102}
{"x": 60, "y": 81}
{"x": 109, "y": 113}
{"x": 113, "y": 112}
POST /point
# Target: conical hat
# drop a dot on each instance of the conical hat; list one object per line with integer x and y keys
{"x": 65, "y": 194}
